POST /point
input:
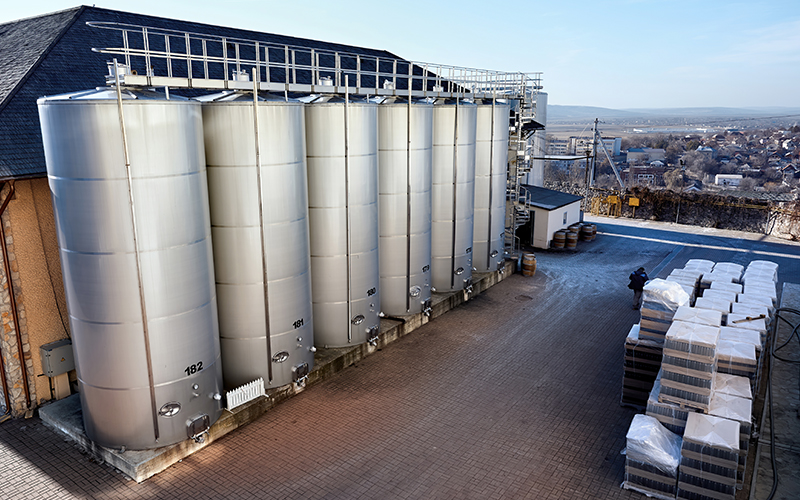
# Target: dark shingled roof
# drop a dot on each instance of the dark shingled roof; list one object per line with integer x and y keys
{"x": 547, "y": 199}
{"x": 51, "y": 54}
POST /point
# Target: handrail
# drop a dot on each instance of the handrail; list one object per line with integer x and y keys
{"x": 198, "y": 57}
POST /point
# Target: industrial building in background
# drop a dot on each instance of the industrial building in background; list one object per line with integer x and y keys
{"x": 301, "y": 142}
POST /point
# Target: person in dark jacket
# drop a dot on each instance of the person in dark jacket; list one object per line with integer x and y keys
{"x": 638, "y": 279}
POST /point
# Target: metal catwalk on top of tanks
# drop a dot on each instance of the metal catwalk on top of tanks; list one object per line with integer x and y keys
{"x": 514, "y": 394}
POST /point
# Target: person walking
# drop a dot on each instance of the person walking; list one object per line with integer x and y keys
{"x": 638, "y": 279}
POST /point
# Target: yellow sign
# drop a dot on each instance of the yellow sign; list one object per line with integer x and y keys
{"x": 633, "y": 202}
{"x": 613, "y": 199}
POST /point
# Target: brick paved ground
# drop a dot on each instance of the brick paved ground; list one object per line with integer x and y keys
{"x": 512, "y": 395}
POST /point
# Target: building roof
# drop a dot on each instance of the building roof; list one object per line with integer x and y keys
{"x": 547, "y": 199}
{"x": 52, "y": 54}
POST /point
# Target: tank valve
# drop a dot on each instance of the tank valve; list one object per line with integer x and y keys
{"x": 312, "y": 349}
{"x": 216, "y": 396}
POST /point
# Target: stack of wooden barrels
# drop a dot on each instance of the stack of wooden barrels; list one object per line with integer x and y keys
{"x": 568, "y": 238}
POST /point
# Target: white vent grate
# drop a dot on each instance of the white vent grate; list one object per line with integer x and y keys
{"x": 245, "y": 393}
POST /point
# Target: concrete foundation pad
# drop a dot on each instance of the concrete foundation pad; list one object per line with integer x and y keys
{"x": 65, "y": 416}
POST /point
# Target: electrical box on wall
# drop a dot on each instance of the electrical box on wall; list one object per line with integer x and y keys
{"x": 57, "y": 357}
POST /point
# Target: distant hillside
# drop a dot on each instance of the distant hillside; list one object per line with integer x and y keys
{"x": 567, "y": 114}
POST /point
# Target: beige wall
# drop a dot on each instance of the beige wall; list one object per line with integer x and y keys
{"x": 547, "y": 222}
{"x": 36, "y": 250}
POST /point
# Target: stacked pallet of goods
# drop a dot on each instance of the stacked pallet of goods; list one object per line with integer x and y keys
{"x": 652, "y": 458}
{"x": 710, "y": 363}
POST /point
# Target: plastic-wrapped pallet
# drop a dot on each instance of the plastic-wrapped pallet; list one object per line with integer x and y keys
{"x": 714, "y": 304}
{"x": 709, "y": 458}
{"x": 716, "y": 293}
{"x": 739, "y": 410}
{"x": 671, "y": 416}
{"x": 762, "y": 289}
{"x": 764, "y": 268}
{"x": 734, "y": 385}
{"x": 642, "y": 362}
{"x": 752, "y": 310}
{"x": 737, "y": 358}
{"x": 729, "y": 287}
{"x": 732, "y": 334}
{"x": 688, "y": 364}
{"x": 713, "y": 276}
{"x": 707, "y": 317}
{"x": 689, "y": 285}
{"x": 754, "y": 298}
{"x": 729, "y": 267}
{"x": 757, "y": 322}
{"x": 652, "y": 458}
{"x": 703, "y": 265}
{"x": 660, "y": 300}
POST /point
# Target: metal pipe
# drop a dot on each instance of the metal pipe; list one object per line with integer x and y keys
{"x": 347, "y": 208}
{"x": 261, "y": 224}
{"x": 455, "y": 198}
{"x": 408, "y": 205}
{"x": 491, "y": 190}
{"x": 142, "y": 304}
{"x": 13, "y": 303}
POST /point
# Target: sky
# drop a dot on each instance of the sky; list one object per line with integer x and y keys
{"x": 617, "y": 54}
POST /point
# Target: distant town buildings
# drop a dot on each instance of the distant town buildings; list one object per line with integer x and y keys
{"x": 640, "y": 156}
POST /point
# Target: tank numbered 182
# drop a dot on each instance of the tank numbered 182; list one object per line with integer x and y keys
{"x": 192, "y": 369}
{"x": 372, "y": 291}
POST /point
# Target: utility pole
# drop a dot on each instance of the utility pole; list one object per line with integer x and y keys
{"x": 595, "y": 138}
{"x": 683, "y": 184}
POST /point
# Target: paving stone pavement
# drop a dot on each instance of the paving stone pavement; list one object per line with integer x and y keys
{"x": 514, "y": 394}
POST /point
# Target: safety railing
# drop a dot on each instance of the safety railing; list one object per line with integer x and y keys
{"x": 156, "y": 56}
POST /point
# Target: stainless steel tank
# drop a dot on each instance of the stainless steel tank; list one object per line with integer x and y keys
{"x": 491, "y": 155}
{"x": 536, "y": 175}
{"x": 259, "y": 223}
{"x": 135, "y": 246}
{"x": 453, "y": 191}
{"x": 342, "y": 155}
{"x": 404, "y": 161}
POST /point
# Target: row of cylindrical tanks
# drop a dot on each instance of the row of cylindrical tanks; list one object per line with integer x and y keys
{"x": 324, "y": 212}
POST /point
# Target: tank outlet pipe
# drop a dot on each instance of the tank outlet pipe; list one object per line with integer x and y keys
{"x": 408, "y": 200}
{"x": 259, "y": 187}
{"x": 489, "y": 255}
{"x": 131, "y": 205}
{"x": 455, "y": 198}
{"x": 14, "y": 314}
{"x": 347, "y": 207}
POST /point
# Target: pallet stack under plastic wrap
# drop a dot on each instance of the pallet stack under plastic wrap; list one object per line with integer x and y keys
{"x": 645, "y": 341}
{"x": 710, "y": 364}
{"x": 652, "y": 458}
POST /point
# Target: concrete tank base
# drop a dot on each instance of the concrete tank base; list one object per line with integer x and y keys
{"x": 66, "y": 418}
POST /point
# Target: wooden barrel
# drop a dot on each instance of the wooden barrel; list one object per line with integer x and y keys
{"x": 571, "y": 241}
{"x": 594, "y": 231}
{"x": 586, "y": 232}
{"x": 528, "y": 264}
{"x": 559, "y": 238}
{"x": 575, "y": 228}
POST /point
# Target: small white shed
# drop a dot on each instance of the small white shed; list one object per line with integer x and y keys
{"x": 549, "y": 211}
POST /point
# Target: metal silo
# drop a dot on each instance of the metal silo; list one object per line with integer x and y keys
{"x": 342, "y": 155}
{"x": 127, "y": 176}
{"x": 453, "y": 190}
{"x": 259, "y": 223}
{"x": 404, "y": 159}
{"x": 491, "y": 156}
